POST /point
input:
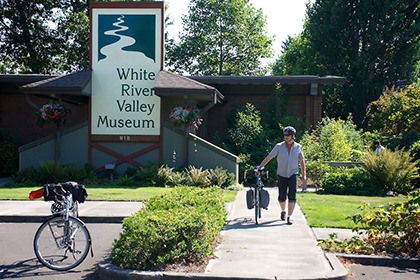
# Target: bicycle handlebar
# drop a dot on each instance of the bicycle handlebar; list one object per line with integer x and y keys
{"x": 257, "y": 173}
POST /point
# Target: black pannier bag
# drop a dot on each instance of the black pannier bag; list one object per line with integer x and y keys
{"x": 265, "y": 199}
{"x": 250, "y": 198}
{"x": 52, "y": 191}
{"x": 78, "y": 191}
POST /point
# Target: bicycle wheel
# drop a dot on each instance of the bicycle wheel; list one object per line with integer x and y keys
{"x": 74, "y": 211}
{"x": 61, "y": 245}
{"x": 257, "y": 206}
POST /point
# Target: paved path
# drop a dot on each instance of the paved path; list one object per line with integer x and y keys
{"x": 272, "y": 249}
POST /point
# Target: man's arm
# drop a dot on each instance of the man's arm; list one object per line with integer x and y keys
{"x": 303, "y": 168}
{"x": 265, "y": 162}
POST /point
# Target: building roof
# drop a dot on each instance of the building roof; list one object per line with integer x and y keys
{"x": 72, "y": 84}
{"x": 170, "y": 84}
{"x": 267, "y": 80}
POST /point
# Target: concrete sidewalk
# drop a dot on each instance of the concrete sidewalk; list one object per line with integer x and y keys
{"x": 89, "y": 211}
{"x": 270, "y": 250}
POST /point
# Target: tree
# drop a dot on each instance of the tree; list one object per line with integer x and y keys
{"x": 294, "y": 59}
{"x": 221, "y": 38}
{"x": 43, "y": 36}
{"x": 396, "y": 112}
{"x": 371, "y": 43}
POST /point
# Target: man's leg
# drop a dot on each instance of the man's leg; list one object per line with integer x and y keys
{"x": 292, "y": 182}
{"x": 282, "y": 185}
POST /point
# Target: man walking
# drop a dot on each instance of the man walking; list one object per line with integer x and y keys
{"x": 289, "y": 156}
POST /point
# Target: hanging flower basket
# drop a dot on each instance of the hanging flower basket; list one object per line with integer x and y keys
{"x": 184, "y": 117}
{"x": 53, "y": 113}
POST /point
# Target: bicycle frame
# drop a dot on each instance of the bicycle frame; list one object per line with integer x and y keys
{"x": 257, "y": 190}
{"x": 69, "y": 237}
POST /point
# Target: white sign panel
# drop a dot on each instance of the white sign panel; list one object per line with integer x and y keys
{"x": 126, "y": 60}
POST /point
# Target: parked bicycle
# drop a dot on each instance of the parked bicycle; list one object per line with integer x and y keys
{"x": 63, "y": 241}
{"x": 257, "y": 197}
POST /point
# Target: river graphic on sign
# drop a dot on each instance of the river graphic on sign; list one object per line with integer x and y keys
{"x": 130, "y": 33}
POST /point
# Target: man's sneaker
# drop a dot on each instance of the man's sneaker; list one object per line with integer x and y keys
{"x": 289, "y": 220}
{"x": 283, "y": 215}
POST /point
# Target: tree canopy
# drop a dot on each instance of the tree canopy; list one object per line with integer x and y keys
{"x": 371, "y": 43}
{"x": 43, "y": 36}
{"x": 221, "y": 38}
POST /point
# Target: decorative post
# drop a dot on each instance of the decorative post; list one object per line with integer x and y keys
{"x": 185, "y": 118}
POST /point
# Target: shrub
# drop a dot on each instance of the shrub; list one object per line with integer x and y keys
{"x": 396, "y": 111}
{"x": 351, "y": 181}
{"x": 147, "y": 174}
{"x": 165, "y": 175}
{"x": 179, "y": 178}
{"x": 176, "y": 227}
{"x": 333, "y": 140}
{"x": 393, "y": 171}
{"x": 394, "y": 228}
{"x": 220, "y": 177}
{"x": 9, "y": 155}
{"x": 197, "y": 176}
{"x": 126, "y": 180}
{"x": 51, "y": 171}
{"x": 391, "y": 230}
{"x": 27, "y": 176}
{"x": 75, "y": 173}
{"x": 415, "y": 150}
{"x": 316, "y": 171}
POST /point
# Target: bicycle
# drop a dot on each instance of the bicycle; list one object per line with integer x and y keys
{"x": 63, "y": 241}
{"x": 256, "y": 193}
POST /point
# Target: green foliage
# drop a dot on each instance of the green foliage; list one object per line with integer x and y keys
{"x": 51, "y": 171}
{"x": 294, "y": 59}
{"x": 197, "y": 177}
{"x": 316, "y": 171}
{"x": 220, "y": 177}
{"x": 126, "y": 180}
{"x": 9, "y": 155}
{"x": 54, "y": 172}
{"x": 221, "y": 38}
{"x": 177, "y": 227}
{"x": 392, "y": 171}
{"x": 397, "y": 111}
{"x": 370, "y": 43}
{"x": 29, "y": 45}
{"x": 245, "y": 129}
{"x": 394, "y": 228}
{"x": 165, "y": 174}
{"x": 147, "y": 174}
{"x": 75, "y": 173}
{"x": 28, "y": 176}
{"x": 415, "y": 150}
{"x": 351, "y": 181}
{"x": 333, "y": 140}
{"x": 353, "y": 245}
{"x": 193, "y": 176}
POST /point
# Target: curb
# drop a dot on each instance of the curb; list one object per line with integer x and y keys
{"x": 108, "y": 271}
{"x": 41, "y": 219}
{"x": 381, "y": 260}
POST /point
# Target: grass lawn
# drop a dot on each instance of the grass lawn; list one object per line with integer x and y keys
{"x": 111, "y": 193}
{"x": 323, "y": 210}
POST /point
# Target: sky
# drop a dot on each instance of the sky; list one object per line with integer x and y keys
{"x": 284, "y": 18}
